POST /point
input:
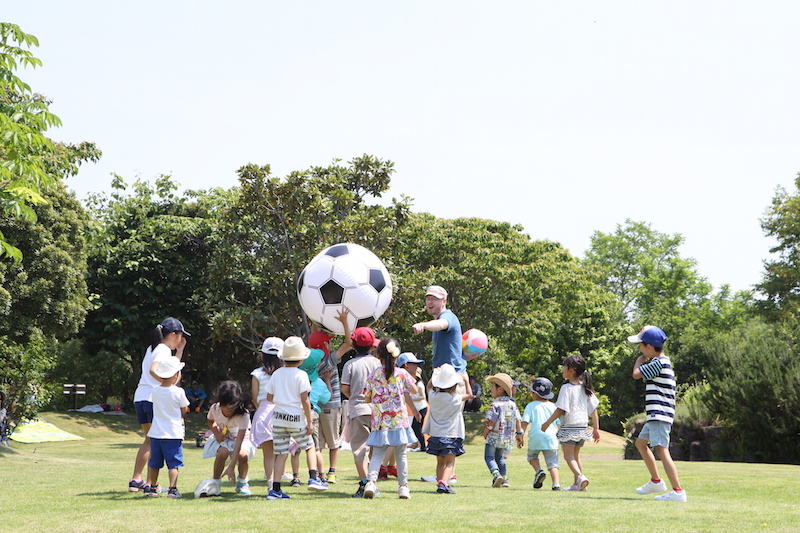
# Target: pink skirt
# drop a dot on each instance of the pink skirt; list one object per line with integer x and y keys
{"x": 261, "y": 428}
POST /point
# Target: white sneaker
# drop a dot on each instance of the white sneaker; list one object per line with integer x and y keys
{"x": 672, "y": 496}
{"x": 573, "y": 487}
{"x": 369, "y": 490}
{"x": 286, "y": 478}
{"x": 429, "y": 479}
{"x": 403, "y": 493}
{"x": 583, "y": 482}
{"x": 651, "y": 487}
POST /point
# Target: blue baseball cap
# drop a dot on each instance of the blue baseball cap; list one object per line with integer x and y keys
{"x": 652, "y": 335}
{"x": 173, "y": 324}
{"x": 408, "y": 357}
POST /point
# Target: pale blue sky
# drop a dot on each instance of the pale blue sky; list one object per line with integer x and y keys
{"x": 564, "y": 117}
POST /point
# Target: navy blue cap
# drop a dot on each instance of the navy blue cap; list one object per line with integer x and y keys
{"x": 173, "y": 324}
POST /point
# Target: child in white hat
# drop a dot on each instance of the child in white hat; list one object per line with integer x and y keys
{"x": 445, "y": 424}
{"x": 167, "y": 431}
{"x": 291, "y": 418}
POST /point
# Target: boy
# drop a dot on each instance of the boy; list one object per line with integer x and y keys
{"x": 655, "y": 368}
{"x": 167, "y": 431}
{"x": 537, "y": 413}
{"x": 288, "y": 389}
{"x": 359, "y": 415}
{"x": 502, "y": 422}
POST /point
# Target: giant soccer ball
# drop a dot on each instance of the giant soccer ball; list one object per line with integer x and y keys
{"x": 346, "y": 275}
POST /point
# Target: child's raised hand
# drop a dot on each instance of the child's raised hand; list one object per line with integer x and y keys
{"x": 342, "y": 314}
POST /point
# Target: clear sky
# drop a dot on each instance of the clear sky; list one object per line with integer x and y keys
{"x": 563, "y": 117}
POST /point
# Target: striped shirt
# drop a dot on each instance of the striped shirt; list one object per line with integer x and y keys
{"x": 659, "y": 398}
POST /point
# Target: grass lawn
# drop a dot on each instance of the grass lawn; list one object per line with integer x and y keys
{"x": 81, "y": 486}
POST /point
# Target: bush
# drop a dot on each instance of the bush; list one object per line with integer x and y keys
{"x": 755, "y": 390}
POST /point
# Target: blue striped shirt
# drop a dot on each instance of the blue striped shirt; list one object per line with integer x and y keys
{"x": 659, "y": 398}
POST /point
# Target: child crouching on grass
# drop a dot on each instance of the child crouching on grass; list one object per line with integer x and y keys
{"x": 167, "y": 432}
{"x": 544, "y": 442}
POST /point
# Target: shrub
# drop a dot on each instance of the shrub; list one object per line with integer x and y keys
{"x": 755, "y": 390}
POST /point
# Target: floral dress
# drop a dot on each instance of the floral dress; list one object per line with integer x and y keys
{"x": 390, "y": 425}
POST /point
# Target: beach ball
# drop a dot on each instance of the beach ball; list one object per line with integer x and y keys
{"x": 474, "y": 343}
{"x": 344, "y": 275}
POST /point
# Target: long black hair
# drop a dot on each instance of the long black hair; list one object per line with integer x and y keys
{"x": 229, "y": 393}
{"x": 270, "y": 362}
{"x": 577, "y": 363}
{"x": 387, "y": 354}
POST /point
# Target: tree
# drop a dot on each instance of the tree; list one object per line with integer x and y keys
{"x": 43, "y": 297}
{"x": 533, "y": 299}
{"x": 781, "y": 279}
{"x": 30, "y": 163}
{"x": 149, "y": 260}
{"x": 276, "y": 226}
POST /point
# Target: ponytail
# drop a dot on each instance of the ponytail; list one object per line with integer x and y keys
{"x": 387, "y": 352}
{"x": 270, "y": 362}
{"x": 156, "y": 337}
{"x": 577, "y": 363}
{"x": 587, "y": 383}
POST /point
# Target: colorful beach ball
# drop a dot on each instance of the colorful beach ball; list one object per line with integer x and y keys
{"x": 474, "y": 343}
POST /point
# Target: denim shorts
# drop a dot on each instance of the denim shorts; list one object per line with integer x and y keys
{"x": 144, "y": 412}
{"x": 656, "y": 433}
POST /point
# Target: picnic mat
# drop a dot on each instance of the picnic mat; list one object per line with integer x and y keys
{"x": 38, "y": 430}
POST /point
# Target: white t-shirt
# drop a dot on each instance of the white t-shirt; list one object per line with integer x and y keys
{"x": 576, "y": 404}
{"x": 167, "y": 415}
{"x": 147, "y": 382}
{"x": 263, "y": 378}
{"x": 286, "y": 386}
{"x": 234, "y": 423}
{"x": 444, "y": 417}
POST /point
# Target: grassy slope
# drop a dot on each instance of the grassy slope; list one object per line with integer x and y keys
{"x": 80, "y": 486}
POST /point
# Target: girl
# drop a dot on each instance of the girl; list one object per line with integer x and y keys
{"x": 261, "y": 431}
{"x": 388, "y": 389}
{"x": 167, "y": 337}
{"x": 576, "y": 401}
{"x": 445, "y": 424}
{"x": 412, "y": 364}
{"x": 229, "y": 422}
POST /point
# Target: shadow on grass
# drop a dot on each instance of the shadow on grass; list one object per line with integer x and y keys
{"x": 7, "y": 450}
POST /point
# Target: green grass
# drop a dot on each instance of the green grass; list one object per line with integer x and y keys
{"x": 81, "y": 486}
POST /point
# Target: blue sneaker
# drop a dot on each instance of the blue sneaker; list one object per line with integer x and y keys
{"x": 136, "y": 486}
{"x": 315, "y": 485}
{"x": 277, "y": 495}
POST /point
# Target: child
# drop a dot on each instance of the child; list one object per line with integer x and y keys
{"x": 502, "y": 423}
{"x": 536, "y": 413}
{"x": 288, "y": 390}
{"x": 166, "y": 337}
{"x": 229, "y": 421}
{"x": 656, "y": 369}
{"x": 445, "y": 424}
{"x": 167, "y": 431}
{"x": 261, "y": 429}
{"x": 319, "y": 394}
{"x": 411, "y": 364}
{"x": 359, "y": 414}
{"x": 576, "y": 402}
{"x": 330, "y": 418}
{"x": 388, "y": 392}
